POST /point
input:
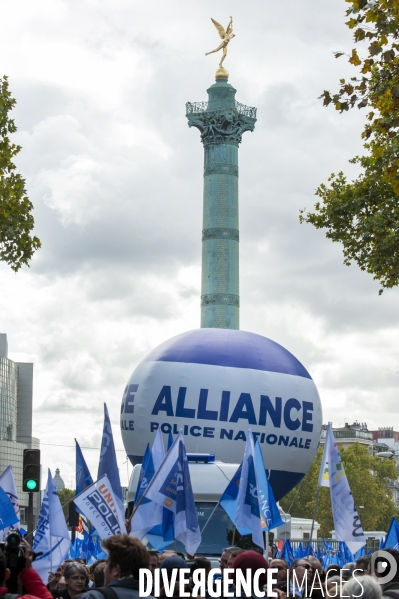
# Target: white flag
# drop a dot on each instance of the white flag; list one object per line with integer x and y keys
{"x": 100, "y": 505}
{"x": 51, "y": 536}
{"x": 324, "y": 477}
{"x": 7, "y": 483}
{"x": 347, "y": 523}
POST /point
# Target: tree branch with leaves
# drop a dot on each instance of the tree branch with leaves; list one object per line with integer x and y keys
{"x": 17, "y": 245}
{"x": 363, "y": 214}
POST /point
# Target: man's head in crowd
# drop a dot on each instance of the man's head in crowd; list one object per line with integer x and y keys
{"x": 154, "y": 560}
{"x": 235, "y": 552}
{"x": 98, "y": 574}
{"x": 126, "y": 556}
{"x": 300, "y": 570}
{"x": 282, "y": 568}
{"x": 165, "y": 556}
{"x": 316, "y": 565}
{"x": 224, "y": 558}
{"x": 172, "y": 563}
{"x": 362, "y": 565}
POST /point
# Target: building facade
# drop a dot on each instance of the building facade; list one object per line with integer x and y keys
{"x": 349, "y": 434}
{"x": 387, "y": 441}
{"x": 16, "y": 399}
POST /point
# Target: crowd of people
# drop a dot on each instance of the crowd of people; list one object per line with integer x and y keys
{"x": 118, "y": 577}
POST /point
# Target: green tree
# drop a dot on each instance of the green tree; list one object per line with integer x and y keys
{"x": 17, "y": 245}
{"x": 369, "y": 480}
{"x": 65, "y": 496}
{"x": 363, "y": 214}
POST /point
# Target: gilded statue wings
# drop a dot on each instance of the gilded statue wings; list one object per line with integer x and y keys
{"x": 220, "y": 29}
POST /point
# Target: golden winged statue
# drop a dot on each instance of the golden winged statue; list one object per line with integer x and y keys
{"x": 226, "y": 37}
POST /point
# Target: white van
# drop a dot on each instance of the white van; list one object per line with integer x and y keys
{"x": 209, "y": 479}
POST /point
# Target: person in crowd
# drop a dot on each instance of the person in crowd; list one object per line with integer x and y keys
{"x": 200, "y": 563}
{"x": 253, "y": 561}
{"x": 347, "y": 570}
{"x": 332, "y": 570}
{"x": 76, "y": 579}
{"x": 365, "y": 587}
{"x": 54, "y": 577}
{"x": 300, "y": 577}
{"x": 224, "y": 558}
{"x": 316, "y": 565}
{"x": 362, "y": 565}
{"x": 35, "y": 588}
{"x": 281, "y": 576}
{"x": 235, "y": 552}
{"x": 170, "y": 564}
{"x": 126, "y": 556}
{"x": 333, "y": 585}
{"x": 61, "y": 585}
{"x": 99, "y": 574}
{"x": 154, "y": 560}
{"x": 163, "y": 556}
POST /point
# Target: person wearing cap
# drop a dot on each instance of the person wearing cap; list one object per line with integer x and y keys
{"x": 252, "y": 561}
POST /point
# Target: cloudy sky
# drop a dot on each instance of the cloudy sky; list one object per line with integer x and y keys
{"x": 115, "y": 176}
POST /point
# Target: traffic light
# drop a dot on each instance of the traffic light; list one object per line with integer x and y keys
{"x": 31, "y": 471}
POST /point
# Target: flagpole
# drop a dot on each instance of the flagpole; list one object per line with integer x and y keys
{"x": 314, "y": 518}
{"x": 206, "y": 523}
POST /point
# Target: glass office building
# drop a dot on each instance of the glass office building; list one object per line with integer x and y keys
{"x": 16, "y": 395}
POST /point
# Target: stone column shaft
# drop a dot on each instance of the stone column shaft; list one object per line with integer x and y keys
{"x": 221, "y": 121}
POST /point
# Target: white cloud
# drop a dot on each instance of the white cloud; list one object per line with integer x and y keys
{"x": 115, "y": 175}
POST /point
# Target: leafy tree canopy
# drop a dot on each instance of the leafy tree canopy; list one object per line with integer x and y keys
{"x": 369, "y": 480}
{"x": 65, "y": 496}
{"x": 17, "y": 245}
{"x": 364, "y": 215}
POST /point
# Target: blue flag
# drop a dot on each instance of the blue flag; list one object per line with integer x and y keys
{"x": 287, "y": 552}
{"x": 170, "y": 440}
{"x": 8, "y": 516}
{"x": 83, "y": 476}
{"x": 146, "y": 473}
{"x": 309, "y": 549}
{"x": 171, "y": 488}
{"x": 229, "y": 499}
{"x": 248, "y": 509}
{"x": 162, "y": 535}
{"x": 269, "y": 512}
{"x": 108, "y": 464}
{"x": 392, "y": 538}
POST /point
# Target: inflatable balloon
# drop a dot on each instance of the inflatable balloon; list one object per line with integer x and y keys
{"x": 214, "y": 385}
